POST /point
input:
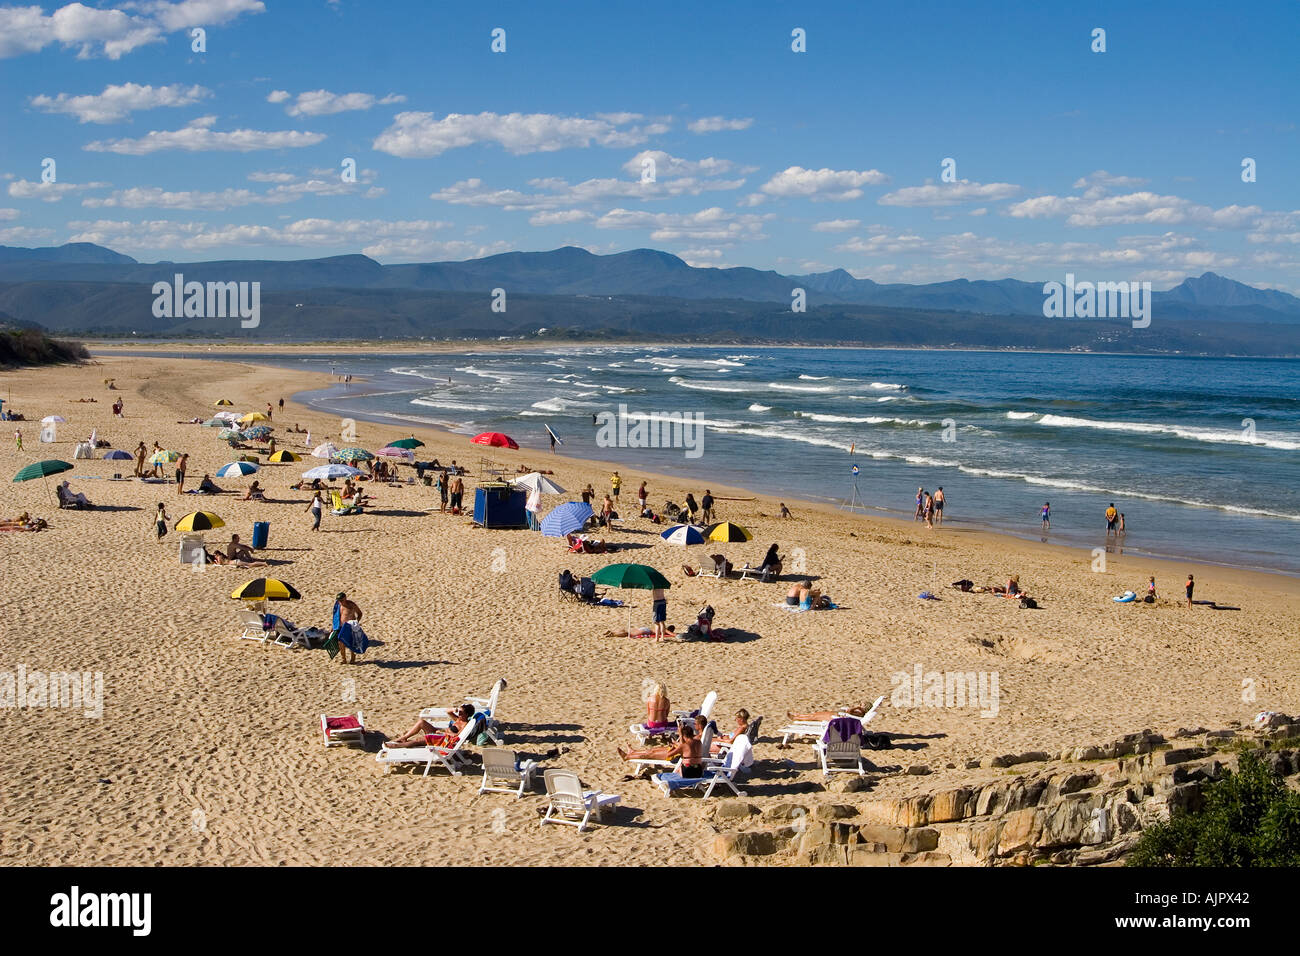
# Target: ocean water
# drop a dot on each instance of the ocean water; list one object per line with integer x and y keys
{"x": 1201, "y": 455}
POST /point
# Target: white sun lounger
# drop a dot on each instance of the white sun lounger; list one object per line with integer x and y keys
{"x": 642, "y": 733}
{"x": 503, "y": 772}
{"x": 817, "y": 728}
{"x": 724, "y": 773}
{"x": 449, "y": 758}
{"x": 343, "y": 735}
{"x": 568, "y": 800}
{"x": 841, "y": 756}
{"x": 643, "y": 765}
{"x": 486, "y": 706}
{"x": 251, "y": 622}
{"x": 284, "y": 636}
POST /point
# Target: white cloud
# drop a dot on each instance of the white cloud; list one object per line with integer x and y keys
{"x": 198, "y": 137}
{"x": 559, "y": 217}
{"x": 48, "y": 192}
{"x": 418, "y": 135}
{"x": 715, "y": 124}
{"x": 667, "y": 166}
{"x": 118, "y": 102}
{"x": 325, "y": 103}
{"x": 1100, "y": 183}
{"x": 837, "y": 225}
{"x": 111, "y": 32}
{"x": 821, "y": 185}
{"x": 948, "y": 194}
{"x": 25, "y": 235}
{"x": 708, "y": 225}
{"x": 152, "y": 197}
{"x": 261, "y": 177}
{"x": 1140, "y": 207}
{"x": 8, "y": 215}
{"x": 559, "y": 194}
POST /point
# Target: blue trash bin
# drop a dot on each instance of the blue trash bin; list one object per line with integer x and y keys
{"x": 260, "y": 531}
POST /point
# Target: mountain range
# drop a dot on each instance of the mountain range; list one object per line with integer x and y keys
{"x": 88, "y": 289}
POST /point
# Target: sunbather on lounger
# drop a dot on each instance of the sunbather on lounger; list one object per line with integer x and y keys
{"x": 255, "y": 493}
{"x": 216, "y": 557}
{"x": 816, "y": 715}
{"x": 423, "y": 734}
{"x": 742, "y": 727}
{"x": 687, "y": 747}
{"x": 655, "y": 697}
{"x": 638, "y": 632}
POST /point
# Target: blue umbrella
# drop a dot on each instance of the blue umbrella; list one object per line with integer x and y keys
{"x": 683, "y": 534}
{"x": 566, "y": 519}
{"x": 330, "y": 472}
{"x": 117, "y": 454}
{"x": 236, "y": 469}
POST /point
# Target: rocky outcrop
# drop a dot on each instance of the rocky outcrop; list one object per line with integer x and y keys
{"x": 1085, "y": 807}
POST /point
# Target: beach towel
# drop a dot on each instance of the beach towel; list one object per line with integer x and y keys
{"x": 843, "y": 728}
{"x": 352, "y": 637}
{"x": 609, "y": 602}
{"x": 927, "y": 596}
{"x": 342, "y": 723}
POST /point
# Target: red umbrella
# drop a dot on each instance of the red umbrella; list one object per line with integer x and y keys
{"x": 495, "y": 439}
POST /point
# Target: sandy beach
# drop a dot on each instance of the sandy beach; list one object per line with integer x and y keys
{"x": 208, "y": 749}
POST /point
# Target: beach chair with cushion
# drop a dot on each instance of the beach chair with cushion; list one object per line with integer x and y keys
{"x": 706, "y": 708}
{"x": 484, "y": 707}
{"x": 642, "y": 766}
{"x": 504, "y": 772}
{"x": 570, "y": 803}
{"x": 251, "y": 621}
{"x": 449, "y": 758}
{"x": 738, "y": 758}
{"x": 751, "y": 732}
{"x": 644, "y": 731}
{"x": 282, "y": 635}
{"x": 347, "y": 729}
{"x": 840, "y": 748}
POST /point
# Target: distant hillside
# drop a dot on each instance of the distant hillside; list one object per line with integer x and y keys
{"x": 25, "y": 346}
{"x": 640, "y": 272}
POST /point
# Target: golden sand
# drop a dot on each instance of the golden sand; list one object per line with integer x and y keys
{"x": 208, "y": 750}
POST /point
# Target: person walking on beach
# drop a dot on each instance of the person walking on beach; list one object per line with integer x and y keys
{"x": 18, "y": 438}
{"x": 457, "y": 494}
{"x": 347, "y": 629}
{"x": 443, "y": 491}
{"x": 615, "y": 483}
{"x": 282, "y": 404}
{"x": 268, "y": 411}
{"x": 1112, "y": 520}
{"x": 316, "y": 507}
{"x": 607, "y": 511}
{"x": 1189, "y": 587}
{"x": 180, "y": 473}
{"x": 691, "y": 507}
{"x": 938, "y": 506}
{"x": 160, "y": 520}
{"x": 641, "y": 496}
{"x": 1046, "y": 515}
{"x": 659, "y": 602}
{"x": 551, "y": 434}
{"x": 706, "y": 506}
{"x": 927, "y": 511}
{"x": 140, "y": 454}
{"x": 920, "y": 504}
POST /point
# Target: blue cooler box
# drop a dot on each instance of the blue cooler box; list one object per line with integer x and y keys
{"x": 261, "y": 529}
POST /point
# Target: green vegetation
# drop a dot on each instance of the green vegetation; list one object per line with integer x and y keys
{"x": 33, "y": 347}
{"x": 1250, "y": 818}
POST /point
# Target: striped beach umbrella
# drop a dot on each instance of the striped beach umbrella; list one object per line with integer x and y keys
{"x": 223, "y": 401}
{"x": 199, "y": 521}
{"x": 330, "y": 472}
{"x": 236, "y": 469}
{"x": 230, "y": 434}
{"x": 42, "y": 469}
{"x": 566, "y": 519}
{"x": 726, "y": 531}
{"x": 405, "y": 454}
{"x": 683, "y": 534}
{"x": 265, "y": 589}
{"x": 258, "y": 432}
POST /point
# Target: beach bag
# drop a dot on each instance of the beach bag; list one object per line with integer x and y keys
{"x": 332, "y": 644}
{"x": 1028, "y": 602}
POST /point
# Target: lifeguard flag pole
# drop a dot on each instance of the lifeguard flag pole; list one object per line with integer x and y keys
{"x": 854, "y": 500}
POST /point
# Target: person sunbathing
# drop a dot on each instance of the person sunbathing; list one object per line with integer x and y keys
{"x": 664, "y": 751}
{"x": 73, "y": 499}
{"x": 424, "y": 734}
{"x": 24, "y": 522}
{"x": 823, "y": 715}
{"x": 255, "y": 493}
{"x": 638, "y": 632}
{"x": 655, "y": 697}
{"x": 742, "y": 727}
{"x": 236, "y": 551}
{"x": 209, "y": 487}
{"x": 1013, "y": 589}
{"x": 803, "y": 595}
{"x": 216, "y": 557}
{"x": 687, "y": 748}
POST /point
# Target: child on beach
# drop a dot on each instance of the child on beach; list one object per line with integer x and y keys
{"x": 1151, "y": 590}
{"x": 160, "y": 520}
{"x": 1189, "y": 586}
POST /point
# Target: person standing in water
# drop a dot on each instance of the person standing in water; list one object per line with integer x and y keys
{"x": 1046, "y": 515}
{"x": 1112, "y": 519}
{"x": 920, "y": 504}
{"x": 938, "y": 505}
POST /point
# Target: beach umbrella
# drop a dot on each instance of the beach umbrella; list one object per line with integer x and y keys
{"x": 199, "y": 521}
{"x": 223, "y": 401}
{"x": 536, "y": 480}
{"x": 495, "y": 439}
{"x": 42, "y": 469}
{"x": 164, "y": 457}
{"x": 230, "y": 434}
{"x": 638, "y": 576}
{"x": 227, "y": 416}
{"x": 53, "y": 420}
{"x": 258, "y": 432}
{"x": 117, "y": 455}
{"x": 265, "y": 589}
{"x": 214, "y": 423}
{"x": 284, "y": 455}
{"x": 406, "y": 443}
{"x": 330, "y": 472}
{"x": 726, "y": 531}
{"x": 390, "y": 452}
{"x": 254, "y": 417}
{"x": 566, "y": 519}
{"x": 683, "y": 534}
{"x": 236, "y": 469}
{"x": 327, "y": 450}
{"x": 353, "y": 454}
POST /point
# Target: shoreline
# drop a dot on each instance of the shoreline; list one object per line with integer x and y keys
{"x": 899, "y": 517}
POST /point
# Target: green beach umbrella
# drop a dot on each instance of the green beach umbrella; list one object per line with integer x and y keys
{"x": 640, "y": 576}
{"x": 42, "y": 469}
{"x": 406, "y": 443}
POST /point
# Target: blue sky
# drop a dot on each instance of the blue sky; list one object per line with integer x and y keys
{"x": 1125, "y": 164}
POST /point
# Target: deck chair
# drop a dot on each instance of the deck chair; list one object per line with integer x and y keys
{"x": 719, "y": 569}
{"x": 568, "y": 800}
{"x": 587, "y": 592}
{"x": 751, "y": 732}
{"x": 643, "y": 765}
{"x": 706, "y": 708}
{"x": 251, "y": 621}
{"x": 282, "y": 635}
{"x": 347, "y": 729}
{"x": 569, "y": 593}
{"x": 643, "y": 732}
{"x": 738, "y": 756}
{"x": 449, "y": 758}
{"x": 484, "y": 707}
{"x": 503, "y": 772}
{"x": 840, "y": 755}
